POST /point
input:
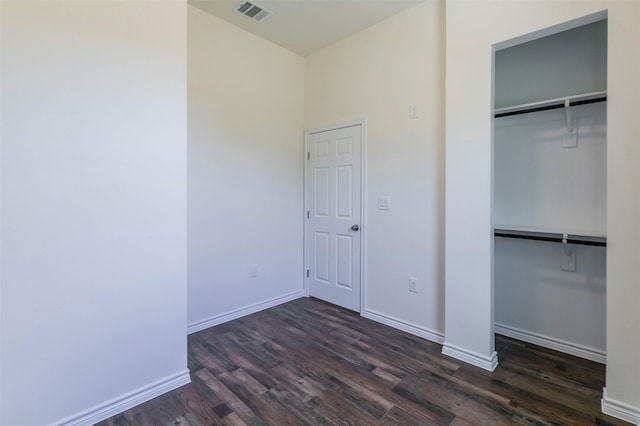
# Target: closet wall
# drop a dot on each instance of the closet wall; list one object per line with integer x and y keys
{"x": 550, "y": 175}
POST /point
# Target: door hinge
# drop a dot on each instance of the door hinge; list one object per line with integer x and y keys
{"x": 307, "y": 273}
{"x": 308, "y": 155}
{"x": 307, "y": 214}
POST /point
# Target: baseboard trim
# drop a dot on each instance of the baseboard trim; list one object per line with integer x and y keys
{"x": 126, "y": 401}
{"x": 470, "y": 357}
{"x": 239, "y": 313}
{"x": 552, "y": 343}
{"x": 408, "y": 327}
{"x": 619, "y": 409}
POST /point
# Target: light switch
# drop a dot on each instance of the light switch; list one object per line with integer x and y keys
{"x": 413, "y": 285}
{"x": 384, "y": 203}
{"x": 413, "y": 111}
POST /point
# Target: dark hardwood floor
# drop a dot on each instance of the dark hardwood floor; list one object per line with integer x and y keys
{"x": 308, "y": 362}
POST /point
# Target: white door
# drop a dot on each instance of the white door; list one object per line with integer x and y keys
{"x": 334, "y": 165}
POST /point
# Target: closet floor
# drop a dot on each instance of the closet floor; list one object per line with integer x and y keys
{"x": 309, "y": 362}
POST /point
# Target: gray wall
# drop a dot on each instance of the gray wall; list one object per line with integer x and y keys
{"x": 540, "y": 184}
{"x": 564, "y": 64}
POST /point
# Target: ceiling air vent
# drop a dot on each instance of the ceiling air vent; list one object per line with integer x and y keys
{"x": 253, "y": 11}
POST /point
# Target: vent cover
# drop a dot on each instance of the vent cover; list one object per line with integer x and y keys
{"x": 253, "y": 11}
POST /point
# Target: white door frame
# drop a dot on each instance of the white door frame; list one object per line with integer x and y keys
{"x": 363, "y": 203}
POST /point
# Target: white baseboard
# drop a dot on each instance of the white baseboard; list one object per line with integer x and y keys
{"x": 619, "y": 409}
{"x": 126, "y": 401}
{"x": 552, "y": 343}
{"x": 408, "y": 327}
{"x": 239, "y": 313}
{"x": 470, "y": 357}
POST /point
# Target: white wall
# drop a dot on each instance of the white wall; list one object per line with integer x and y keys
{"x": 377, "y": 74}
{"x": 472, "y": 29}
{"x": 93, "y": 207}
{"x": 245, "y": 184}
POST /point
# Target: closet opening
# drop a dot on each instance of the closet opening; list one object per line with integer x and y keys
{"x": 549, "y": 187}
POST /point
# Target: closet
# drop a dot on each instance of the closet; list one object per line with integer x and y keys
{"x": 549, "y": 194}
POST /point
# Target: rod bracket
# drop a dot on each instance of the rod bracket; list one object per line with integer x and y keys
{"x": 565, "y": 245}
{"x": 569, "y": 119}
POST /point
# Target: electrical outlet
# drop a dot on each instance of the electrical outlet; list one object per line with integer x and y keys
{"x": 413, "y": 285}
{"x": 253, "y": 271}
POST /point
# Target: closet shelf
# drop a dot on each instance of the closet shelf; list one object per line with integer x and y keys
{"x": 586, "y": 98}
{"x": 551, "y": 236}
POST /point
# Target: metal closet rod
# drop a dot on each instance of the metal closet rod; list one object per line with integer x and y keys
{"x": 548, "y": 107}
{"x": 550, "y": 239}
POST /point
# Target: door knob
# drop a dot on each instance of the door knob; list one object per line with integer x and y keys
{"x": 355, "y": 228}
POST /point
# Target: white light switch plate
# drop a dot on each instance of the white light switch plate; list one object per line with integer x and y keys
{"x": 413, "y": 285}
{"x": 384, "y": 203}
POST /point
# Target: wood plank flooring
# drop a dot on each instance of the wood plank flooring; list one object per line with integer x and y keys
{"x": 309, "y": 362}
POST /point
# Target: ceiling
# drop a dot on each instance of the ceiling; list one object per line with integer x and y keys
{"x": 304, "y": 26}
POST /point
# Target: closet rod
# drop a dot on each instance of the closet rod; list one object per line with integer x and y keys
{"x": 548, "y": 107}
{"x": 551, "y": 239}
